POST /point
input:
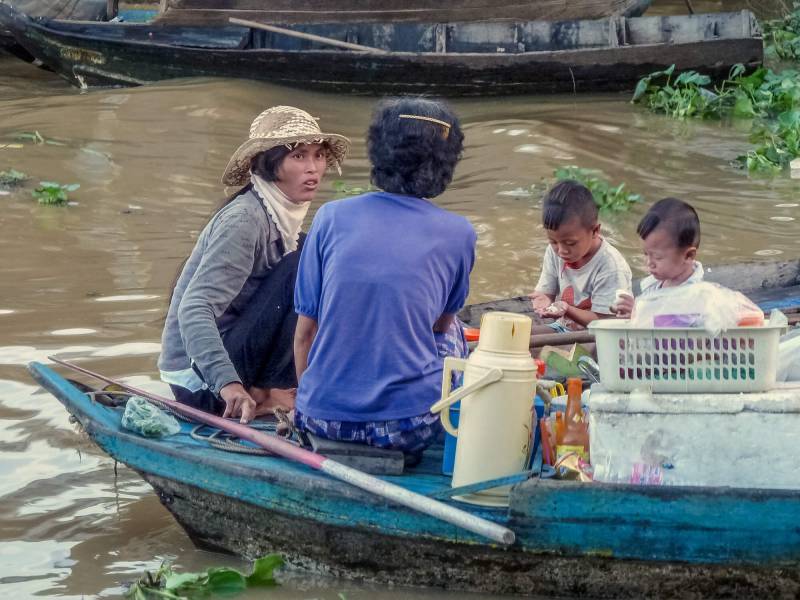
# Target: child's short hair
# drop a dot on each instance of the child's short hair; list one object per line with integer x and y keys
{"x": 567, "y": 200}
{"x": 677, "y": 217}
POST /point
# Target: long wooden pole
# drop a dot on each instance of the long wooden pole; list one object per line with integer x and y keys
{"x": 366, "y": 482}
{"x": 306, "y": 36}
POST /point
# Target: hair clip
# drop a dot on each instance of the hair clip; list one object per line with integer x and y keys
{"x": 445, "y": 125}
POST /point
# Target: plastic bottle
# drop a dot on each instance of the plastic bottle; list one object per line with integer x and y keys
{"x": 575, "y": 431}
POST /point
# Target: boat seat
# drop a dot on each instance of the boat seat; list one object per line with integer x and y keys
{"x": 375, "y": 461}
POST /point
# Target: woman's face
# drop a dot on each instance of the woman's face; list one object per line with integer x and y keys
{"x": 300, "y": 173}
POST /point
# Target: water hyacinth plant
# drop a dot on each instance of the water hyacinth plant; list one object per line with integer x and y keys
{"x": 607, "y": 197}
{"x": 771, "y": 100}
{"x": 12, "y": 177}
{"x": 782, "y": 36}
{"x": 342, "y": 189}
{"x": 51, "y": 192}
{"x": 214, "y": 582}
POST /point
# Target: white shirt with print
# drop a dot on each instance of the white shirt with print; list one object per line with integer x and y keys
{"x": 591, "y": 287}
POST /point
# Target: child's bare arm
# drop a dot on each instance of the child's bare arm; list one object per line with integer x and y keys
{"x": 582, "y": 316}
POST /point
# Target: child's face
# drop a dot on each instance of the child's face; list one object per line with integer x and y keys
{"x": 573, "y": 240}
{"x": 664, "y": 259}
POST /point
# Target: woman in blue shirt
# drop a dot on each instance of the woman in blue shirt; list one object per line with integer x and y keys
{"x": 380, "y": 279}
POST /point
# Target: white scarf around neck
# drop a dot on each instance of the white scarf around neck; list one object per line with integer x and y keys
{"x": 287, "y": 215}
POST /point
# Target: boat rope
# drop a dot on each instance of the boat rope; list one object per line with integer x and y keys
{"x": 227, "y": 444}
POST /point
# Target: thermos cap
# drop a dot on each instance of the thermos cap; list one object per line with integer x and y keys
{"x": 505, "y": 332}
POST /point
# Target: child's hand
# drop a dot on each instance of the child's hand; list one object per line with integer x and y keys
{"x": 623, "y": 305}
{"x": 556, "y": 310}
{"x": 540, "y": 302}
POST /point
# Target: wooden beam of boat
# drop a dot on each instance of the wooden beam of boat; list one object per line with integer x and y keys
{"x": 561, "y": 339}
{"x": 306, "y": 36}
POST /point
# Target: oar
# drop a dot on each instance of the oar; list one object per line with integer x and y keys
{"x": 371, "y": 484}
{"x": 306, "y": 36}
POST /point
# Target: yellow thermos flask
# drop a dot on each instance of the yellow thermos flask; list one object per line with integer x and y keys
{"x": 497, "y": 412}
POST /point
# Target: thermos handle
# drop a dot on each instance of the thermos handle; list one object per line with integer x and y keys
{"x": 451, "y": 364}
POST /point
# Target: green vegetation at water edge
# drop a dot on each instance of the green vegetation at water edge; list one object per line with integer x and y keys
{"x": 12, "y": 177}
{"x": 607, "y": 197}
{"x": 342, "y": 189}
{"x": 782, "y": 36}
{"x": 51, "y": 192}
{"x": 771, "y": 100}
{"x": 216, "y": 581}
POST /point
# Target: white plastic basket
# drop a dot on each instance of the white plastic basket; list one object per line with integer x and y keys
{"x": 686, "y": 360}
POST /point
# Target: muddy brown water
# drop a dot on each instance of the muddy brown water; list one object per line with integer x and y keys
{"x": 89, "y": 280}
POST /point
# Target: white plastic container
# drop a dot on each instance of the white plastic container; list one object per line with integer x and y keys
{"x": 736, "y": 440}
{"x": 686, "y": 360}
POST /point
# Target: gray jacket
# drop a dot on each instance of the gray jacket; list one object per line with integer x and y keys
{"x": 232, "y": 255}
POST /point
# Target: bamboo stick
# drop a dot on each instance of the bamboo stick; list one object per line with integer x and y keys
{"x": 306, "y": 36}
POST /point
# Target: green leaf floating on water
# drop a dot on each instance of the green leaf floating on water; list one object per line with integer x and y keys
{"x": 215, "y": 581}
{"x": 52, "y": 192}
{"x": 12, "y": 177}
{"x": 606, "y": 196}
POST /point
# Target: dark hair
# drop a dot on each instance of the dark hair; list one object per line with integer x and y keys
{"x": 413, "y": 156}
{"x": 265, "y": 164}
{"x": 567, "y": 200}
{"x": 677, "y": 218}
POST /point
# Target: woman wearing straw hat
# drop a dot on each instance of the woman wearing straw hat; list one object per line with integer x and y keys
{"x": 227, "y": 340}
{"x": 381, "y": 277}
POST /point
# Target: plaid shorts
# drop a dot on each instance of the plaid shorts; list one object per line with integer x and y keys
{"x": 411, "y": 435}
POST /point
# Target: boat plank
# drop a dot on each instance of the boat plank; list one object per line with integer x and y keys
{"x": 654, "y": 522}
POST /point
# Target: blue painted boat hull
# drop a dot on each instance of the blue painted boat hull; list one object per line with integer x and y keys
{"x": 572, "y": 539}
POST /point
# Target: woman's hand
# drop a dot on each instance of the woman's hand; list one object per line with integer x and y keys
{"x": 238, "y": 403}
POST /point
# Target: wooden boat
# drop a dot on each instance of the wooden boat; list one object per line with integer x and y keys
{"x": 446, "y": 59}
{"x": 589, "y": 539}
{"x": 208, "y": 12}
{"x": 86, "y": 10}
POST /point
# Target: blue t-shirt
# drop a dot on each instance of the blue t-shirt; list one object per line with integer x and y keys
{"x": 376, "y": 272}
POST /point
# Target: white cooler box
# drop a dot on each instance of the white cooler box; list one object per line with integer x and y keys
{"x": 733, "y": 439}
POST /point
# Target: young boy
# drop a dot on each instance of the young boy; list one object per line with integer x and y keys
{"x": 581, "y": 271}
{"x": 670, "y": 233}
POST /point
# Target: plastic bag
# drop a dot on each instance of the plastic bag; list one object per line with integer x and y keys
{"x": 704, "y": 304}
{"x": 148, "y": 420}
{"x": 789, "y": 357}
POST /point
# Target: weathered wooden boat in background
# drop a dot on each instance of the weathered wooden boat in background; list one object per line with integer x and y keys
{"x": 447, "y": 59}
{"x": 84, "y": 10}
{"x": 573, "y": 539}
{"x": 209, "y": 12}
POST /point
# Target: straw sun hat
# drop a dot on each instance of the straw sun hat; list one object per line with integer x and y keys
{"x": 278, "y": 126}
